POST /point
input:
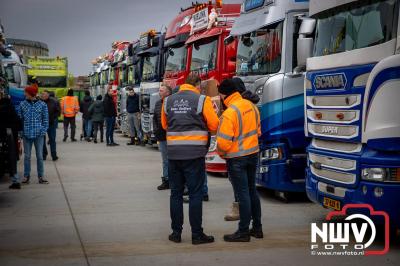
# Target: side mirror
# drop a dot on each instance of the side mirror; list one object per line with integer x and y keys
{"x": 304, "y": 50}
{"x": 307, "y": 26}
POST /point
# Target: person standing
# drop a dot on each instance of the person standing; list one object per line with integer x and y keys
{"x": 96, "y": 111}
{"x": 10, "y": 120}
{"x": 86, "y": 118}
{"x": 233, "y": 214}
{"x": 53, "y": 108}
{"x": 160, "y": 134}
{"x": 35, "y": 119}
{"x": 110, "y": 113}
{"x": 69, "y": 108}
{"x": 133, "y": 110}
{"x": 188, "y": 117}
{"x": 237, "y": 142}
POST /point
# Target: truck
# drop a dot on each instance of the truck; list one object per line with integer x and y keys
{"x": 211, "y": 58}
{"x": 267, "y": 63}
{"x": 50, "y": 72}
{"x": 133, "y": 74}
{"x": 351, "y": 105}
{"x": 15, "y": 73}
{"x": 177, "y": 52}
{"x": 152, "y": 56}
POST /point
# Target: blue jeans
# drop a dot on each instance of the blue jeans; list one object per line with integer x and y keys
{"x": 192, "y": 173}
{"x": 110, "y": 124}
{"x": 242, "y": 171}
{"x": 162, "y": 145}
{"x": 51, "y": 133}
{"x": 87, "y": 128}
{"x": 38, "y": 143}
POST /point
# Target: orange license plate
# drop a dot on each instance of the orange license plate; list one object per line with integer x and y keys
{"x": 332, "y": 204}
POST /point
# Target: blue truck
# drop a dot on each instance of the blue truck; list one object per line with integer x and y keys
{"x": 352, "y": 105}
{"x": 267, "y": 33}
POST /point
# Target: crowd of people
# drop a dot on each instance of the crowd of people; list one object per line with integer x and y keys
{"x": 183, "y": 124}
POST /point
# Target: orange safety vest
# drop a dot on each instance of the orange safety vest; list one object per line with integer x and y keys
{"x": 69, "y": 106}
{"x": 239, "y": 128}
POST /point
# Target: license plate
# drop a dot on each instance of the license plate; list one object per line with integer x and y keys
{"x": 332, "y": 204}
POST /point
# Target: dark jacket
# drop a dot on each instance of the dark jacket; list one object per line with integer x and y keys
{"x": 252, "y": 97}
{"x": 109, "y": 106}
{"x": 53, "y": 106}
{"x": 96, "y": 111}
{"x": 158, "y": 130}
{"x": 84, "y": 106}
{"x": 9, "y": 119}
{"x": 132, "y": 104}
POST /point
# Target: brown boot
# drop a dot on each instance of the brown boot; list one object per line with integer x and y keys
{"x": 233, "y": 214}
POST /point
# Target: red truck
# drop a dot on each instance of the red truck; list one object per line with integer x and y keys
{"x": 211, "y": 58}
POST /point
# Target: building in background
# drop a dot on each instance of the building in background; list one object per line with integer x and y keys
{"x": 81, "y": 83}
{"x": 28, "y": 47}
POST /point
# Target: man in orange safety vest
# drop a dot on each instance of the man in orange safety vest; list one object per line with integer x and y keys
{"x": 69, "y": 108}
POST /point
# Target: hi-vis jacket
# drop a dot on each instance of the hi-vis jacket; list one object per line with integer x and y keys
{"x": 187, "y": 117}
{"x": 69, "y": 106}
{"x": 239, "y": 128}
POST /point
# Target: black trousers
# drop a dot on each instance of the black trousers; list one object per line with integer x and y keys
{"x": 191, "y": 173}
{"x": 96, "y": 127}
{"x": 69, "y": 121}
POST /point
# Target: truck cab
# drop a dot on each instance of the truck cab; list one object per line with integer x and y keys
{"x": 211, "y": 58}
{"x": 351, "y": 105}
{"x": 15, "y": 71}
{"x": 267, "y": 33}
{"x": 152, "y": 55}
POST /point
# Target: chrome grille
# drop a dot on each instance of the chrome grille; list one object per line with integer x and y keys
{"x": 333, "y": 175}
{"x": 332, "y": 162}
{"x": 330, "y": 145}
{"x": 341, "y": 101}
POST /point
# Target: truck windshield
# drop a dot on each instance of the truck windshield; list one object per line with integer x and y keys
{"x": 204, "y": 55}
{"x": 150, "y": 66}
{"x": 176, "y": 60}
{"x": 355, "y": 26}
{"x": 51, "y": 82}
{"x": 259, "y": 52}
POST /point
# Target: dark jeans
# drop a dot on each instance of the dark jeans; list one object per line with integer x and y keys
{"x": 87, "y": 128}
{"x": 242, "y": 171}
{"x": 110, "y": 124}
{"x": 96, "y": 127}
{"x": 51, "y": 133}
{"x": 191, "y": 172}
{"x": 69, "y": 121}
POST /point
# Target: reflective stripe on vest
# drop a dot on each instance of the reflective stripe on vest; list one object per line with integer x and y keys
{"x": 188, "y": 133}
{"x": 241, "y": 136}
{"x": 201, "y": 104}
{"x": 71, "y": 106}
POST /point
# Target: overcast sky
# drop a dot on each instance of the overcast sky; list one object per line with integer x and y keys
{"x": 84, "y": 29}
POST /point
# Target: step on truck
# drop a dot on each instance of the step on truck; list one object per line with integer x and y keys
{"x": 211, "y": 58}
{"x": 352, "y": 105}
{"x": 267, "y": 63}
{"x": 152, "y": 55}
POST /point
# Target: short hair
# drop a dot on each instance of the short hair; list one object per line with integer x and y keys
{"x": 169, "y": 89}
{"x": 193, "y": 79}
{"x": 99, "y": 97}
{"x": 70, "y": 92}
{"x": 87, "y": 93}
{"x": 47, "y": 91}
{"x": 129, "y": 88}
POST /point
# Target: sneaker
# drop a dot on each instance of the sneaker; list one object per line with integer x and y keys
{"x": 114, "y": 144}
{"x": 15, "y": 186}
{"x": 55, "y": 158}
{"x": 257, "y": 233}
{"x": 164, "y": 185}
{"x": 73, "y": 140}
{"x": 108, "y": 144}
{"x": 237, "y": 237}
{"x": 26, "y": 180}
{"x": 43, "y": 181}
{"x": 202, "y": 239}
{"x": 95, "y": 141}
{"x": 175, "y": 237}
{"x": 65, "y": 139}
{"x": 101, "y": 141}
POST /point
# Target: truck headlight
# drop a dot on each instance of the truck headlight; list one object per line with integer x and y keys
{"x": 271, "y": 154}
{"x": 381, "y": 174}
